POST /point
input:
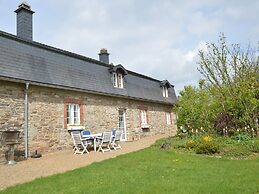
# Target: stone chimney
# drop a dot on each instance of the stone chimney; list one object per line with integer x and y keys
{"x": 104, "y": 56}
{"x": 24, "y": 21}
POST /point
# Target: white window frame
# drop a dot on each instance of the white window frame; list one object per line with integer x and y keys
{"x": 73, "y": 114}
{"x": 122, "y": 119}
{"x": 117, "y": 80}
{"x": 165, "y": 91}
{"x": 168, "y": 118}
{"x": 143, "y": 117}
{"x": 120, "y": 80}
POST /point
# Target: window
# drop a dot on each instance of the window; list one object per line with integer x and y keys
{"x": 143, "y": 114}
{"x": 122, "y": 123}
{"x": 117, "y": 80}
{"x": 120, "y": 81}
{"x": 165, "y": 91}
{"x": 73, "y": 114}
{"x": 168, "y": 118}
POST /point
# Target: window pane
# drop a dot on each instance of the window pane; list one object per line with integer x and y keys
{"x": 120, "y": 81}
{"x": 121, "y": 120}
{"x": 68, "y": 114}
{"x": 115, "y": 84}
{"x": 76, "y": 114}
{"x": 168, "y": 118}
{"x": 143, "y": 117}
{"x": 73, "y": 114}
{"x": 165, "y": 91}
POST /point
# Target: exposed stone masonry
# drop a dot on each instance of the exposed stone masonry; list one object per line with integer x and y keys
{"x": 11, "y": 111}
{"x": 47, "y": 130}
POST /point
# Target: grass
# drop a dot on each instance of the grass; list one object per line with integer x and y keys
{"x": 153, "y": 170}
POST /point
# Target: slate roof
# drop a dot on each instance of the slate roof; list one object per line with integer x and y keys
{"x": 29, "y": 61}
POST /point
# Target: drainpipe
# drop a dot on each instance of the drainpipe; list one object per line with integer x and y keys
{"x": 26, "y": 118}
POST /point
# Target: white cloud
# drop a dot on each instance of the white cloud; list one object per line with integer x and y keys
{"x": 201, "y": 24}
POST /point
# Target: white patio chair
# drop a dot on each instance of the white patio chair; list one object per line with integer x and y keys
{"x": 104, "y": 142}
{"x": 115, "y": 140}
{"x": 80, "y": 145}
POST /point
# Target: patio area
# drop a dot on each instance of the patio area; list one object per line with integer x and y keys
{"x": 62, "y": 161}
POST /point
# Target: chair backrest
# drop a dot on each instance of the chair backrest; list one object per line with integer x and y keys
{"x": 113, "y": 132}
{"x": 76, "y": 136}
{"x": 86, "y": 132}
{"x": 107, "y": 136}
{"x": 118, "y": 135}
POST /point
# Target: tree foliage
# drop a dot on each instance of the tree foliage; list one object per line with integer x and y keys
{"x": 196, "y": 109}
{"x": 230, "y": 87}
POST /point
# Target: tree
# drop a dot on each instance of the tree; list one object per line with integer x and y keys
{"x": 232, "y": 76}
{"x": 196, "y": 108}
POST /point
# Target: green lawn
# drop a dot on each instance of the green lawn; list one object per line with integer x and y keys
{"x": 153, "y": 170}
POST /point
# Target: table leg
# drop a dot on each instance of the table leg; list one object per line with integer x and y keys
{"x": 95, "y": 144}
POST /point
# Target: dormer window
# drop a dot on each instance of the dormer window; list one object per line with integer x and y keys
{"x": 118, "y": 73}
{"x": 117, "y": 80}
{"x": 165, "y": 85}
{"x": 165, "y": 91}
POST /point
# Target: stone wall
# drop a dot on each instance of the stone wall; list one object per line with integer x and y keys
{"x": 47, "y": 127}
{"x": 11, "y": 112}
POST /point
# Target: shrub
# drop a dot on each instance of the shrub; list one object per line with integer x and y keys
{"x": 207, "y": 148}
{"x": 223, "y": 121}
{"x": 202, "y": 145}
{"x": 190, "y": 144}
{"x": 207, "y": 145}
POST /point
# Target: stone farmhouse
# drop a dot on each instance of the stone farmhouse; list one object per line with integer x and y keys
{"x": 47, "y": 91}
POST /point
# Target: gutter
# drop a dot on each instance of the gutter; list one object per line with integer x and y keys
{"x": 26, "y": 120}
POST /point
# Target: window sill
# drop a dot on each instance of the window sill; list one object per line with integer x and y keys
{"x": 75, "y": 127}
{"x": 146, "y": 126}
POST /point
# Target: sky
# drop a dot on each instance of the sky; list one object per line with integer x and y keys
{"x": 157, "y": 38}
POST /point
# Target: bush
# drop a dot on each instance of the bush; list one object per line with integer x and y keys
{"x": 202, "y": 145}
{"x": 207, "y": 146}
{"x": 190, "y": 144}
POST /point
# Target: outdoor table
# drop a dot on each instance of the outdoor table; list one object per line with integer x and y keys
{"x": 92, "y": 136}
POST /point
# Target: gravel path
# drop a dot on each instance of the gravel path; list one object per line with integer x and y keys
{"x": 62, "y": 161}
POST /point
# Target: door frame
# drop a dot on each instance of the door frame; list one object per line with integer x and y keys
{"x": 124, "y": 130}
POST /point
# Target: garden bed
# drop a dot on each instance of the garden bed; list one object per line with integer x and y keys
{"x": 230, "y": 147}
